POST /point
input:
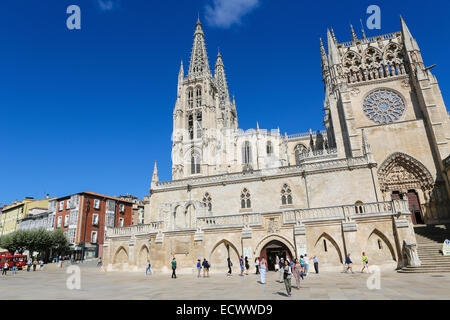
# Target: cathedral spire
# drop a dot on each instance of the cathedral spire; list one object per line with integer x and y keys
{"x": 408, "y": 40}
{"x": 155, "y": 177}
{"x": 333, "y": 54}
{"x": 362, "y": 29}
{"x": 323, "y": 55}
{"x": 354, "y": 37}
{"x": 199, "y": 64}
{"x": 334, "y": 36}
{"x": 221, "y": 81}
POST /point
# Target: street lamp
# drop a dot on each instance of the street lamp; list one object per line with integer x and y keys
{"x": 84, "y": 233}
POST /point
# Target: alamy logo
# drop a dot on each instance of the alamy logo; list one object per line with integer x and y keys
{"x": 74, "y": 280}
{"x": 374, "y": 21}
{"x": 374, "y": 281}
{"x": 74, "y": 20}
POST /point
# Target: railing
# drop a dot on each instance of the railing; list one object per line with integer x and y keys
{"x": 346, "y": 211}
{"x": 235, "y": 220}
{"x": 371, "y": 39}
{"x": 316, "y": 153}
{"x": 137, "y": 229}
{"x": 306, "y": 134}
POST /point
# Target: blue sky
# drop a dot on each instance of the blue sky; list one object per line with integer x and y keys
{"x": 91, "y": 109}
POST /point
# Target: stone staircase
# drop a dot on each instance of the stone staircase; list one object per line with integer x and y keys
{"x": 429, "y": 248}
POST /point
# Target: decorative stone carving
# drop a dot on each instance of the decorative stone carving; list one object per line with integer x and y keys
{"x": 411, "y": 255}
{"x": 354, "y": 92}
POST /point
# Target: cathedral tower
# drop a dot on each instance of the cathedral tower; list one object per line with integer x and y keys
{"x": 381, "y": 85}
{"x": 203, "y": 110}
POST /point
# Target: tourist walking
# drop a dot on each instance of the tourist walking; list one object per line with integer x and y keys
{"x": 148, "y": 268}
{"x": 230, "y": 264}
{"x": 174, "y": 267}
{"x": 281, "y": 272}
{"x": 306, "y": 264}
{"x": 199, "y": 267}
{"x": 287, "y": 276}
{"x": 5, "y": 268}
{"x": 29, "y": 262}
{"x": 241, "y": 265}
{"x": 316, "y": 264}
{"x": 35, "y": 263}
{"x": 257, "y": 265}
{"x": 365, "y": 262}
{"x": 247, "y": 265}
{"x": 348, "y": 263}
{"x": 14, "y": 266}
{"x": 297, "y": 270}
{"x": 205, "y": 265}
{"x": 263, "y": 269}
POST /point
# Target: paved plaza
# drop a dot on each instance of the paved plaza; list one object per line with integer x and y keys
{"x": 50, "y": 283}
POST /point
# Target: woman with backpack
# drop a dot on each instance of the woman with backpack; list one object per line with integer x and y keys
{"x": 241, "y": 265}
{"x": 205, "y": 265}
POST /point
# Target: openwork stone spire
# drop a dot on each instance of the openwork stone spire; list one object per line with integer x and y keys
{"x": 333, "y": 54}
{"x": 354, "y": 37}
{"x": 221, "y": 82}
{"x": 199, "y": 58}
{"x": 323, "y": 55}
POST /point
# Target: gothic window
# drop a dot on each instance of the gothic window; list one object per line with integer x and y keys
{"x": 383, "y": 106}
{"x": 190, "y": 98}
{"x": 300, "y": 152}
{"x": 246, "y": 153}
{"x": 195, "y": 163}
{"x": 199, "y": 125}
{"x": 198, "y": 97}
{"x": 245, "y": 199}
{"x": 207, "y": 201}
{"x": 191, "y": 126}
{"x": 286, "y": 195}
{"x": 269, "y": 148}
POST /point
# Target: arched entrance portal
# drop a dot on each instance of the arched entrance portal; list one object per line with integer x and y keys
{"x": 403, "y": 177}
{"x": 273, "y": 249}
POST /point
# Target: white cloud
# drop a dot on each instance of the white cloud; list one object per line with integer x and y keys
{"x": 225, "y": 13}
{"x": 108, "y": 5}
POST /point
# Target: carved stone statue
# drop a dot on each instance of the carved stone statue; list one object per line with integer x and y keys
{"x": 410, "y": 253}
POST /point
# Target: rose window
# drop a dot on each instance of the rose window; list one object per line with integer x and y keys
{"x": 383, "y": 106}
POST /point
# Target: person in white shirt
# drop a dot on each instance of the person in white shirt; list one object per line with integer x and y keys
{"x": 306, "y": 262}
{"x": 316, "y": 264}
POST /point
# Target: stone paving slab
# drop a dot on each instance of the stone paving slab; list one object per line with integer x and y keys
{"x": 50, "y": 283}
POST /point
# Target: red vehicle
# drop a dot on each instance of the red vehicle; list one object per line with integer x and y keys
{"x": 21, "y": 260}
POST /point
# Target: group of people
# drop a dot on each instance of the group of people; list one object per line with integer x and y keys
{"x": 348, "y": 263}
{"x": 14, "y": 266}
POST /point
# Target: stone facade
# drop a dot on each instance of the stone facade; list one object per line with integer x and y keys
{"x": 359, "y": 185}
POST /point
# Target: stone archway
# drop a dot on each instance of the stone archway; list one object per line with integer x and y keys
{"x": 272, "y": 246}
{"x": 378, "y": 248}
{"x": 404, "y": 177}
{"x": 144, "y": 255}
{"x": 327, "y": 250}
{"x": 121, "y": 256}
{"x": 218, "y": 258}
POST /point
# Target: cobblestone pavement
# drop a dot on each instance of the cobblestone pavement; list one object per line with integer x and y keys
{"x": 50, "y": 283}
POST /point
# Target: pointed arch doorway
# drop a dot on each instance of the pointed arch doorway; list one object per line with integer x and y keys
{"x": 273, "y": 249}
{"x": 404, "y": 177}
